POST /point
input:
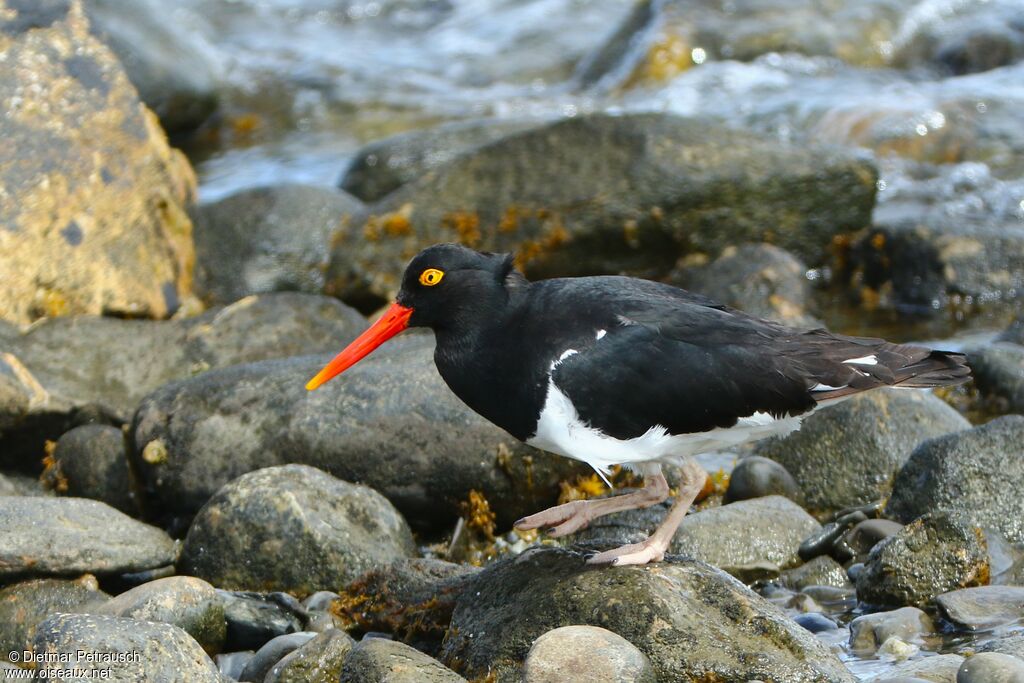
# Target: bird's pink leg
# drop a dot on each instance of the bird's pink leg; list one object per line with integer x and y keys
{"x": 573, "y": 516}
{"x": 654, "y": 547}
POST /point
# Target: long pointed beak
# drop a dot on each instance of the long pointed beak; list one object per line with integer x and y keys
{"x": 394, "y": 320}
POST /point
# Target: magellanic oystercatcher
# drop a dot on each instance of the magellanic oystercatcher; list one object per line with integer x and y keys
{"x": 622, "y": 371}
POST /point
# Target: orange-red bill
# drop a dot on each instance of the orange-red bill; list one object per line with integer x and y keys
{"x": 394, "y": 320}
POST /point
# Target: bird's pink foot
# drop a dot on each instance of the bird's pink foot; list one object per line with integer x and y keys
{"x": 649, "y": 550}
{"x": 563, "y": 519}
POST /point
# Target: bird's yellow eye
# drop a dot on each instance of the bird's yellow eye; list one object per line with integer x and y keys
{"x": 431, "y": 276}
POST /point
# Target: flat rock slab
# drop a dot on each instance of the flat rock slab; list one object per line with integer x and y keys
{"x": 983, "y": 606}
{"x": 692, "y": 621}
{"x": 149, "y": 651}
{"x": 71, "y": 536}
{"x": 390, "y": 423}
{"x": 63, "y": 371}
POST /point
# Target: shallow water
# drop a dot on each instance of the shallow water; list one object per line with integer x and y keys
{"x": 308, "y": 82}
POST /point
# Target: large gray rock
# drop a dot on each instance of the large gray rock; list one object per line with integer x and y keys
{"x": 293, "y": 528}
{"x": 749, "y": 538}
{"x": 983, "y": 607}
{"x": 759, "y": 279}
{"x": 166, "y": 59}
{"x": 189, "y": 603}
{"x": 591, "y": 653}
{"x": 991, "y": 667}
{"x": 90, "y": 462}
{"x": 94, "y": 223}
{"x": 998, "y": 371}
{"x": 657, "y": 607}
{"x": 70, "y": 370}
{"x": 69, "y": 536}
{"x": 377, "y": 660}
{"x": 383, "y": 166}
{"x": 936, "y": 553}
{"x": 600, "y": 194}
{"x": 23, "y": 606}
{"x": 267, "y": 239}
{"x": 978, "y": 473}
{"x": 846, "y": 454}
{"x": 149, "y": 651}
{"x": 389, "y": 422}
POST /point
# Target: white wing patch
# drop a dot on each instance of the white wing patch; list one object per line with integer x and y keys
{"x": 600, "y": 334}
{"x": 826, "y": 387}
{"x": 864, "y": 360}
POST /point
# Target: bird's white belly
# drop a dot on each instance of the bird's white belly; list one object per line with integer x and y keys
{"x": 561, "y": 431}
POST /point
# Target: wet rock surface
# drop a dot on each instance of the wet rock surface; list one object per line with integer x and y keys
{"x": 257, "y": 668}
{"x": 94, "y": 223}
{"x": 514, "y": 602}
{"x": 820, "y": 571}
{"x": 189, "y": 603}
{"x": 255, "y": 618}
{"x": 976, "y": 473}
{"x": 909, "y": 624}
{"x": 991, "y": 667}
{"x": 80, "y": 369}
{"x": 759, "y": 279}
{"x": 838, "y": 463}
{"x": 590, "y": 652}
{"x": 984, "y": 606}
{"x": 70, "y": 536}
{"x": 162, "y": 652}
{"x": 267, "y": 239}
{"x": 23, "y": 606}
{"x": 934, "y": 554}
{"x": 390, "y": 423}
{"x": 536, "y": 193}
{"x": 90, "y": 462}
{"x": 293, "y": 528}
{"x": 937, "y": 669}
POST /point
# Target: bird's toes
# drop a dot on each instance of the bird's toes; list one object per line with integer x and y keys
{"x": 569, "y": 526}
{"x": 632, "y": 554}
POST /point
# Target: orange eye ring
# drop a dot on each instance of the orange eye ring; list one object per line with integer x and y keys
{"x": 431, "y": 276}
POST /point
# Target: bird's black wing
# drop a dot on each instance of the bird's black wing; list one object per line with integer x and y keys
{"x": 691, "y": 367}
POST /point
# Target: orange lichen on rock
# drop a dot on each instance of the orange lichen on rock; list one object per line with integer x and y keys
{"x": 466, "y": 225}
{"x": 392, "y": 224}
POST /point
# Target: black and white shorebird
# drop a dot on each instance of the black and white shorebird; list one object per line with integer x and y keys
{"x": 622, "y": 371}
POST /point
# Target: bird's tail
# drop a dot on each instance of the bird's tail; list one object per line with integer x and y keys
{"x": 937, "y": 369}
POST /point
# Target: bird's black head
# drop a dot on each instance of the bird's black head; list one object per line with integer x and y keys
{"x": 448, "y": 288}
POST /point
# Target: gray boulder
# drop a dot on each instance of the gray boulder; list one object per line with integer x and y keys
{"x": 936, "y": 553}
{"x": 759, "y": 279}
{"x": 23, "y": 606}
{"x": 73, "y": 370}
{"x": 591, "y": 653}
{"x": 755, "y": 477}
{"x": 383, "y": 166}
{"x": 90, "y": 462}
{"x": 318, "y": 661}
{"x": 71, "y": 536}
{"x": 293, "y": 528}
{"x": 189, "y": 603}
{"x": 657, "y": 607}
{"x": 983, "y": 607}
{"x": 991, "y": 667}
{"x": 847, "y": 454}
{"x": 599, "y": 194}
{"x": 998, "y": 371}
{"x": 378, "y": 660}
{"x": 267, "y": 239}
{"x": 977, "y": 473}
{"x": 390, "y": 423}
{"x": 150, "y": 651}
